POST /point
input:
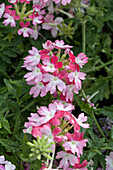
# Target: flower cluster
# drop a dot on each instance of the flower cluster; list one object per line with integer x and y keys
{"x": 6, "y": 165}
{"x": 54, "y": 122}
{"x": 49, "y": 71}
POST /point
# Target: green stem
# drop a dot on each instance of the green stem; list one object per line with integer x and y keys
{"x": 28, "y": 13}
{"x": 99, "y": 128}
{"x": 101, "y": 66}
{"x": 83, "y": 37}
{"x": 62, "y": 11}
{"x": 51, "y": 163}
{"x": 29, "y": 105}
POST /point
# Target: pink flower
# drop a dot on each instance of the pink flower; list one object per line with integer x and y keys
{"x": 60, "y": 45}
{"x": 27, "y": 1}
{"x": 37, "y": 19}
{"x": 68, "y": 92}
{"x": 26, "y": 31}
{"x": 13, "y": 1}
{"x": 35, "y": 75}
{"x": 48, "y": 45}
{"x": 52, "y": 25}
{"x": 76, "y": 143}
{"x": 67, "y": 159}
{"x": 76, "y": 76}
{"x": 33, "y": 59}
{"x": 8, "y": 165}
{"x": 109, "y": 161}
{"x": 54, "y": 82}
{"x": 64, "y": 2}
{"x": 81, "y": 166}
{"x": 81, "y": 59}
{"x": 10, "y": 18}
{"x": 39, "y": 87}
{"x": 53, "y": 65}
{"x": 63, "y": 106}
{"x": 81, "y": 119}
{"x": 2, "y": 9}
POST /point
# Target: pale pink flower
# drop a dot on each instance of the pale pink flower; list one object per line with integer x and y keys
{"x": 76, "y": 76}
{"x": 81, "y": 59}
{"x": 68, "y": 92}
{"x": 10, "y": 18}
{"x": 28, "y": 127}
{"x": 47, "y": 113}
{"x": 81, "y": 119}
{"x": 76, "y": 143}
{"x": 64, "y": 2}
{"x": 51, "y": 24}
{"x": 109, "y": 161}
{"x": 27, "y": 1}
{"x": 34, "y": 120}
{"x": 32, "y": 60}
{"x": 25, "y": 30}
{"x": 60, "y": 45}
{"x": 9, "y": 166}
{"x": 37, "y": 19}
{"x": 64, "y": 106}
{"x": 39, "y": 87}
{"x": 67, "y": 159}
{"x": 13, "y": 1}
{"x": 54, "y": 82}
{"x": 35, "y": 75}
{"x": 48, "y": 45}
{"x": 2, "y": 9}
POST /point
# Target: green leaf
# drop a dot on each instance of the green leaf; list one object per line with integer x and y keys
{"x": 10, "y": 145}
{"x": 112, "y": 132}
{"x": 107, "y": 111}
{"x": 5, "y": 124}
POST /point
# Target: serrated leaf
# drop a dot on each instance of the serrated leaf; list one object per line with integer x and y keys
{"x": 10, "y": 145}
{"x": 107, "y": 111}
{"x": 5, "y": 124}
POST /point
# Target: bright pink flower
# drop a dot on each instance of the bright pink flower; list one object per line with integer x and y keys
{"x": 37, "y": 8}
{"x": 26, "y": 1}
{"x": 37, "y": 19}
{"x": 25, "y": 30}
{"x": 2, "y": 9}
{"x": 81, "y": 166}
{"x": 76, "y": 76}
{"x": 76, "y": 143}
{"x": 7, "y": 10}
{"x": 32, "y": 60}
{"x": 48, "y": 45}
{"x": 81, "y": 59}
{"x": 60, "y": 45}
{"x": 53, "y": 65}
{"x": 67, "y": 159}
{"x": 54, "y": 82}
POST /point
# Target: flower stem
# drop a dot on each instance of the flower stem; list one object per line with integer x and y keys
{"x": 101, "y": 66}
{"x": 99, "y": 128}
{"x": 83, "y": 36}
{"x": 29, "y": 105}
{"x": 62, "y": 11}
{"x": 51, "y": 163}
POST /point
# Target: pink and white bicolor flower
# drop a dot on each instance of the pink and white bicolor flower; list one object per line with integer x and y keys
{"x": 10, "y": 18}
{"x": 81, "y": 59}
{"x": 37, "y": 19}
{"x": 81, "y": 119}
{"x": 60, "y": 45}
{"x": 67, "y": 159}
{"x": 54, "y": 82}
{"x": 39, "y": 87}
{"x": 2, "y": 9}
{"x": 76, "y": 76}
{"x": 25, "y": 30}
{"x": 53, "y": 65}
{"x": 32, "y": 60}
{"x": 48, "y": 45}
